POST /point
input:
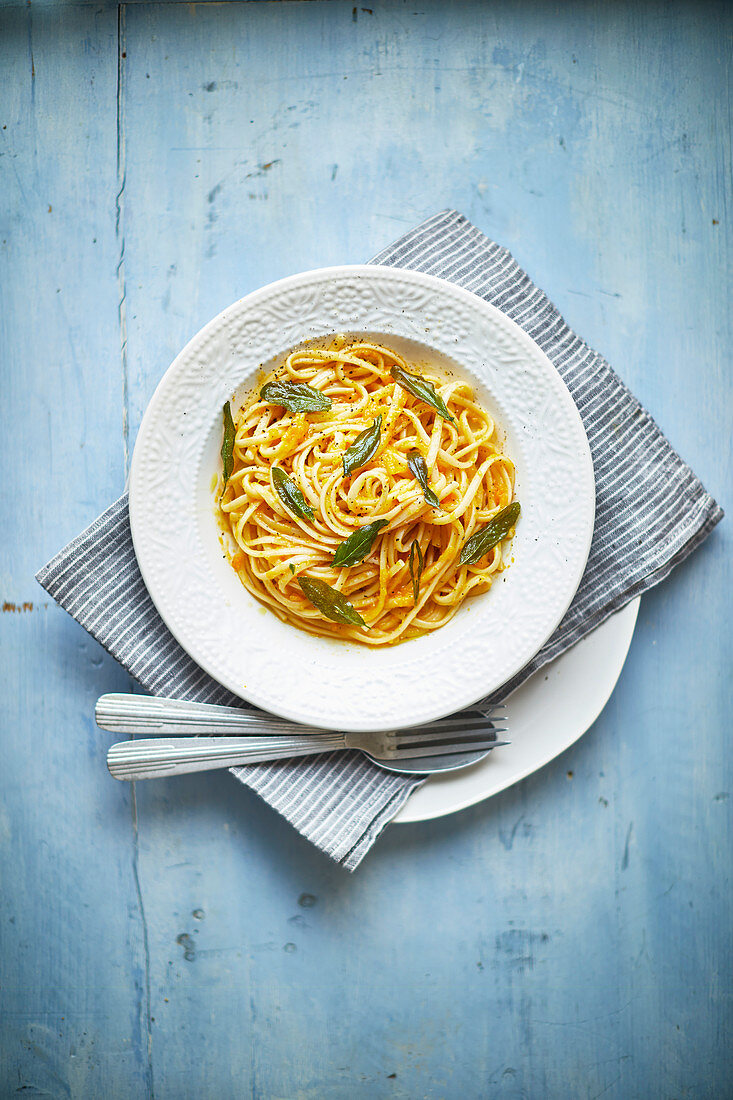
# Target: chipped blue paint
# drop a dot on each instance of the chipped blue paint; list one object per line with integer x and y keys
{"x": 569, "y": 937}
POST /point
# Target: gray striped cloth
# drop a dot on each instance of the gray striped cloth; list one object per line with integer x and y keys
{"x": 651, "y": 512}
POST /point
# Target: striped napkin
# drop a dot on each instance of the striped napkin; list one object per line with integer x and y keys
{"x": 651, "y": 512}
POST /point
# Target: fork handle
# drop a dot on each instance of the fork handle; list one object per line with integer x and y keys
{"x": 155, "y": 758}
{"x": 133, "y": 714}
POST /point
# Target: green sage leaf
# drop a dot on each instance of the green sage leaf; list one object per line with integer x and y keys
{"x": 416, "y": 564}
{"x": 227, "y": 446}
{"x": 422, "y": 389}
{"x": 290, "y": 494}
{"x": 418, "y": 466}
{"x": 356, "y": 547}
{"x": 296, "y": 397}
{"x": 363, "y": 448}
{"x": 487, "y": 538}
{"x": 330, "y": 602}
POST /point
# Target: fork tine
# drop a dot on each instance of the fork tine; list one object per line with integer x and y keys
{"x": 456, "y": 748}
{"x": 471, "y": 711}
{"x": 467, "y": 733}
{"x": 444, "y": 728}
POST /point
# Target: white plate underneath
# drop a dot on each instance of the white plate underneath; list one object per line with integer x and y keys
{"x": 546, "y": 715}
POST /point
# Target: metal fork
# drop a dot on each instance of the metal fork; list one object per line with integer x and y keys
{"x": 442, "y": 745}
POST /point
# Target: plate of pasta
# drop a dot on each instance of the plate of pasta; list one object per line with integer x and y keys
{"x": 361, "y": 498}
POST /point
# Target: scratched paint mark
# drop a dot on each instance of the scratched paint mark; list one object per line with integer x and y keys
{"x": 30, "y": 54}
{"x": 263, "y": 169}
{"x": 603, "y": 801}
{"x": 720, "y": 796}
{"x": 121, "y": 156}
{"x": 189, "y": 946}
{"x": 625, "y": 860}
{"x": 519, "y": 947}
{"x": 290, "y": 948}
{"x": 18, "y": 607}
{"x": 307, "y": 901}
{"x": 508, "y": 840}
{"x": 43, "y": 1045}
{"x": 198, "y": 914}
{"x": 142, "y": 983}
{"x": 210, "y": 87}
{"x": 334, "y": 170}
{"x": 212, "y": 216}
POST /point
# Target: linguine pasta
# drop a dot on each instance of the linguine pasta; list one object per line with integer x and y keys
{"x": 286, "y": 527}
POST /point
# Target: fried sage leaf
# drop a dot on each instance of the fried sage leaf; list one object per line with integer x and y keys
{"x": 330, "y": 602}
{"x": 356, "y": 547}
{"x": 417, "y": 465}
{"x": 227, "y": 445}
{"x": 296, "y": 397}
{"x": 416, "y": 564}
{"x": 422, "y": 389}
{"x": 290, "y": 494}
{"x": 486, "y": 539}
{"x": 363, "y": 448}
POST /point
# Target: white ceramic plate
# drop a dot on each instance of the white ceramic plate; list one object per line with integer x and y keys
{"x": 325, "y": 682}
{"x": 547, "y": 715}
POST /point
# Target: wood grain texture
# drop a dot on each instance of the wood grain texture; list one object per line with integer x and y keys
{"x": 571, "y": 936}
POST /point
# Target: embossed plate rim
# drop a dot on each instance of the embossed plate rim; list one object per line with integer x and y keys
{"x": 220, "y": 625}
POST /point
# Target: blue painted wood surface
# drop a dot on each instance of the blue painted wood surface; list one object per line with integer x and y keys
{"x": 569, "y": 938}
